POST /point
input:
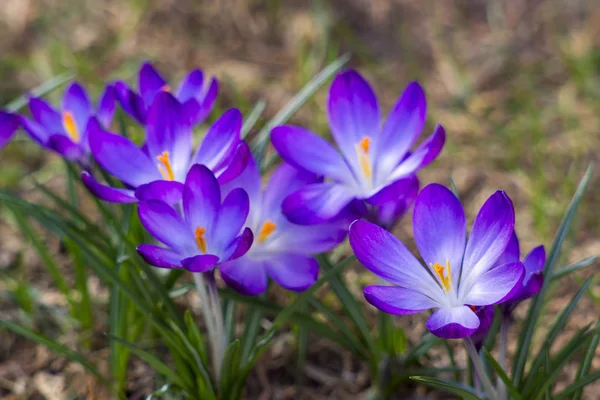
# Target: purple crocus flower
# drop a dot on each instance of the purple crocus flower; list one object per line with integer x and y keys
{"x": 166, "y": 157}
{"x": 459, "y": 275}
{"x": 534, "y": 266}
{"x": 374, "y": 158}
{"x": 9, "y": 123}
{"x": 66, "y": 130}
{"x": 282, "y": 250}
{"x": 388, "y": 213}
{"x": 210, "y": 231}
{"x": 197, "y": 96}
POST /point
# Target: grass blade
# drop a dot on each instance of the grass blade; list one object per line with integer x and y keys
{"x": 465, "y": 392}
{"x": 253, "y": 117}
{"x": 561, "y": 272}
{"x": 502, "y": 374}
{"x": 45, "y": 88}
{"x": 536, "y": 307}
{"x": 586, "y": 363}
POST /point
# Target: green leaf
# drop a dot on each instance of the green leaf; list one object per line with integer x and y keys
{"x": 536, "y": 307}
{"x": 577, "y": 387}
{"x": 262, "y": 138}
{"x": 586, "y": 362}
{"x": 230, "y": 366}
{"x": 502, "y": 374}
{"x": 39, "y": 91}
{"x": 465, "y": 392}
{"x": 195, "y": 336}
{"x": 56, "y": 348}
{"x": 155, "y": 363}
{"x": 253, "y": 117}
{"x": 561, "y": 272}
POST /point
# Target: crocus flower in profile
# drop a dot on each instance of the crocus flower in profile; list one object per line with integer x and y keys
{"x": 374, "y": 158}
{"x": 281, "y": 250}
{"x": 534, "y": 266}
{"x": 9, "y": 123}
{"x": 66, "y": 130}
{"x": 197, "y": 95}
{"x": 459, "y": 275}
{"x": 165, "y": 159}
{"x": 208, "y": 234}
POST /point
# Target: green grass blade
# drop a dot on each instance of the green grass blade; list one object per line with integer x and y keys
{"x": 586, "y": 363}
{"x": 262, "y": 138}
{"x": 45, "y": 88}
{"x": 562, "y": 272}
{"x": 253, "y": 117}
{"x": 536, "y": 307}
{"x": 502, "y": 374}
{"x": 465, "y": 392}
{"x": 56, "y": 348}
{"x": 577, "y": 387}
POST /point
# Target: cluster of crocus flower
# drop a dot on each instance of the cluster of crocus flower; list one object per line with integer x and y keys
{"x": 209, "y": 210}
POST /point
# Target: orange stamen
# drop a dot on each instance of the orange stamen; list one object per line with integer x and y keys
{"x": 200, "y": 240}
{"x": 164, "y": 166}
{"x": 166, "y": 88}
{"x": 70, "y": 126}
{"x": 439, "y": 270}
{"x": 362, "y": 149}
{"x": 265, "y": 231}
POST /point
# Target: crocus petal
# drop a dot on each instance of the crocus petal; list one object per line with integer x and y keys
{"x": 388, "y": 214}
{"x": 201, "y": 198}
{"x": 491, "y": 232}
{"x": 231, "y": 218}
{"x": 150, "y": 82}
{"x": 310, "y": 152}
{"x": 285, "y": 180}
{"x": 353, "y": 112}
{"x": 9, "y": 124}
{"x": 77, "y": 102}
{"x": 394, "y": 191}
{"x": 45, "y": 115}
{"x": 107, "y": 193}
{"x": 511, "y": 254}
{"x": 237, "y": 163}
{"x": 486, "y": 317}
{"x": 65, "y": 147}
{"x": 316, "y": 203}
{"x": 495, "y": 285}
{"x": 245, "y": 275}
{"x": 453, "y": 323}
{"x": 534, "y": 261}
{"x": 309, "y": 239}
{"x": 439, "y": 227}
{"x": 132, "y": 103}
{"x": 167, "y": 131}
{"x": 159, "y": 256}
{"x": 398, "y": 300}
{"x": 170, "y": 192}
{"x": 121, "y": 157}
{"x": 106, "y": 106}
{"x": 388, "y": 258}
{"x": 249, "y": 180}
{"x": 221, "y": 140}
{"x": 36, "y": 131}
{"x": 200, "y": 263}
{"x": 166, "y": 225}
{"x": 191, "y": 86}
{"x": 293, "y": 271}
{"x": 240, "y": 245}
{"x": 401, "y": 129}
{"x": 422, "y": 156}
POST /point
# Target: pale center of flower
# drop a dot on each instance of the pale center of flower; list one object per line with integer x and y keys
{"x": 444, "y": 273}
{"x": 164, "y": 166}
{"x": 200, "y": 239}
{"x": 266, "y": 230}
{"x": 70, "y": 126}
{"x": 362, "y": 150}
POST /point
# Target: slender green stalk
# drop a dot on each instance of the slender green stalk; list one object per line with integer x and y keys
{"x": 480, "y": 370}
{"x": 504, "y": 325}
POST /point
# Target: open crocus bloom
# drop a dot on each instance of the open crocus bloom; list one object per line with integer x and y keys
{"x": 209, "y": 232}
{"x": 534, "y": 266}
{"x": 197, "y": 100}
{"x": 281, "y": 250}
{"x": 9, "y": 123}
{"x": 166, "y": 157}
{"x": 66, "y": 130}
{"x": 457, "y": 277}
{"x": 374, "y": 159}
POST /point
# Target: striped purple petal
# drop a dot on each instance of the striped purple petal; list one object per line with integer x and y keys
{"x": 453, "y": 323}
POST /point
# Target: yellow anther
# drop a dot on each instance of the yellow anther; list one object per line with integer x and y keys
{"x": 166, "y": 88}
{"x": 265, "y": 231}
{"x": 446, "y": 279}
{"x": 200, "y": 240}
{"x": 164, "y": 166}
{"x": 70, "y": 126}
{"x": 362, "y": 150}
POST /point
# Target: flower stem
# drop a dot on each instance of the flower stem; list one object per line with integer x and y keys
{"x": 504, "y": 325}
{"x": 480, "y": 370}
{"x": 213, "y": 317}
